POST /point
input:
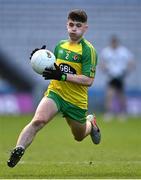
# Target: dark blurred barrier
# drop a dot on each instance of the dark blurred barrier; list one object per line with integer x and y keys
{"x": 14, "y": 74}
{"x": 19, "y": 91}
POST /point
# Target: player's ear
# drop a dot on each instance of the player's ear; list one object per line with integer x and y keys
{"x": 67, "y": 25}
{"x": 86, "y": 27}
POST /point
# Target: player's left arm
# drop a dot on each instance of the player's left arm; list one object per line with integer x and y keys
{"x": 80, "y": 79}
{"x": 57, "y": 74}
{"x": 89, "y": 62}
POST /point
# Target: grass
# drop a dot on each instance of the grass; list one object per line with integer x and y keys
{"x": 54, "y": 154}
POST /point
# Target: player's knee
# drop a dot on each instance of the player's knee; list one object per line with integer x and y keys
{"x": 38, "y": 122}
{"x": 79, "y": 138}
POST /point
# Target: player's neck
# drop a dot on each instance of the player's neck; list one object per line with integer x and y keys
{"x": 75, "y": 42}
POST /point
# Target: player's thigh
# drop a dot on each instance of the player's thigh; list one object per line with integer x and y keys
{"x": 76, "y": 118}
{"x": 46, "y": 110}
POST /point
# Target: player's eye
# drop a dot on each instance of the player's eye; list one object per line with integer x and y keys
{"x": 78, "y": 25}
{"x": 71, "y": 24}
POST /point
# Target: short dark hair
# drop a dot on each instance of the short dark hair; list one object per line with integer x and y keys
{"x": 78, "y": 15}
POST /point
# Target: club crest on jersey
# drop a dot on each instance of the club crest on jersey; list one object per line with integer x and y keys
{"x": 61, "y": 51}
{"x": 75, "y": 58}
{"x": 68, "y": 51}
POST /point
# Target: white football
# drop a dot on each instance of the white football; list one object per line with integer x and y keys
{"x": 42, "y": 59}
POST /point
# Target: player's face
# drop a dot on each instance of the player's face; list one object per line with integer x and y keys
{"x": 76, "y": 30}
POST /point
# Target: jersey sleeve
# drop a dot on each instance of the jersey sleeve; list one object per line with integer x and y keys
{"x": 56, "y": 51}
{"x": 89, "y": 62}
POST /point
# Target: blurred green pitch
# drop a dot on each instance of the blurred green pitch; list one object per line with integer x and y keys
{"x": 55, "y": 154}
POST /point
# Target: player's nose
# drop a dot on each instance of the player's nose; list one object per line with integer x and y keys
{"x": 74, "y": 28}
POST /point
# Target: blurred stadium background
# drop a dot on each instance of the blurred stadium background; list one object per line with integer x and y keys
{"x": 26, "y": 25}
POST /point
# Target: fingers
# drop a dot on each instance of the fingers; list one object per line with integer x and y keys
{"x": 47, "y": 72}
{"x": 33, "y": 52}
{"x": 48, "y": 69}
{"x": 47, "y": 75}
{"x": 43, "y": 47}
{"x": 56, "y": 67}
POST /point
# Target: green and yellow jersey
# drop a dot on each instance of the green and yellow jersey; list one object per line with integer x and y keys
{"x": 79, "y": 59}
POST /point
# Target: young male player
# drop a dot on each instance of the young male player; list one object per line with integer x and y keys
{"x": 75, "y": 67}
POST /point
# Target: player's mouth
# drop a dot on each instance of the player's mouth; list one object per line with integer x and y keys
{"x": 72, "y": 34}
